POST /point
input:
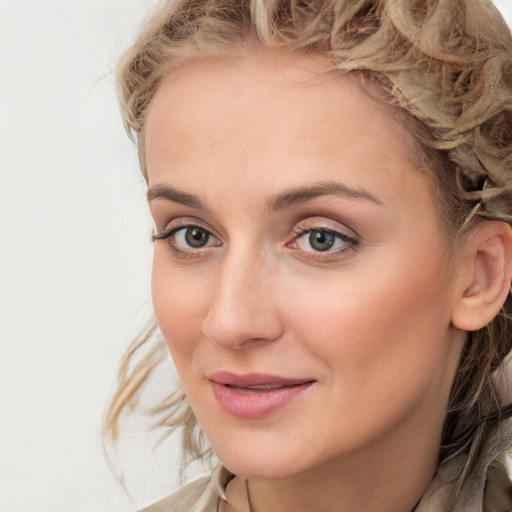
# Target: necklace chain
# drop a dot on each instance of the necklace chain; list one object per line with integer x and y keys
{"x": 248, "y": 495}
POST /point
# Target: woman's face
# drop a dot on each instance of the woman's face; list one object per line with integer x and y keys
{"x": 301, "y": 278}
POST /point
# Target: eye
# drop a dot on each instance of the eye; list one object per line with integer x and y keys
{"x": 320, "y": 242}
{"x": 193, "y": 237}
{"x": 185, "y": 240}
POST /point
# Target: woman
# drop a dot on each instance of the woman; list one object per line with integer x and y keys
{"x": 330, "y": 184}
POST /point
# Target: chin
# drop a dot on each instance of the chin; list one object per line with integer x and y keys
{"x": 261, "y": 455}
{"x": 265, "y": 466}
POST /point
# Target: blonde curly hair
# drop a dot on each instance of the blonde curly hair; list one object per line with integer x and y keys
{"x": 446, "y": 65}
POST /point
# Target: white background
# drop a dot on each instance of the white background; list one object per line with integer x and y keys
{"x": 74, "y": 258}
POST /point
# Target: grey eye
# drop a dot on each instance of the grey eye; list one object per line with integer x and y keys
{"x": 196, "y": 237}
{"x": 321, "y": 240}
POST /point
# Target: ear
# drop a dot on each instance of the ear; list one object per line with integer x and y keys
{"x": 484, "y": 273}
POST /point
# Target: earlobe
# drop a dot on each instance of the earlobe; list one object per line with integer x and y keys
{"x": 485, "y": 276}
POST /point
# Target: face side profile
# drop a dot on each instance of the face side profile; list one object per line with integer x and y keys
{"x": 299, "y": 248}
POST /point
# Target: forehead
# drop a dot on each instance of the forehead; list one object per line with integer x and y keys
{"x": 265, "y": 90}
{"x": 271, "y": 118}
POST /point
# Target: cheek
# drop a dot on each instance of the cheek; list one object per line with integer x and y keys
{"x": 179, "y": 305}
{"x": 387, "y": 322}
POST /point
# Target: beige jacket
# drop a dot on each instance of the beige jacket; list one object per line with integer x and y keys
{"x": 488, "y": 488}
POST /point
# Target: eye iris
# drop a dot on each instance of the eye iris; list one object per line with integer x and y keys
{"x": 321, "y": 240}
{"x": 196, "y": 237}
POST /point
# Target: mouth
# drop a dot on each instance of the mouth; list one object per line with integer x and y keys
{"x": 254, "y": 390}
{"x": 256, "y": 396}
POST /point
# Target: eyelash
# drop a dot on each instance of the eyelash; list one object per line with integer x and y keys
{"x": 169, "y": 233}
{"x": 350, "y": 243}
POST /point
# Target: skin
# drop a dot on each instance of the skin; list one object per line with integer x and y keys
{"x": 369, "y": 321}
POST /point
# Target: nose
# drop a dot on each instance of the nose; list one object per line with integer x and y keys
{"x": 244, "y": 307}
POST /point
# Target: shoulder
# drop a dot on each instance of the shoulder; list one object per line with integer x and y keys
{"x": 182, "y": 499}
{"x": 487, "y": 486}
{"x": 498, "y": 486}
{"x": 201, "y": 495}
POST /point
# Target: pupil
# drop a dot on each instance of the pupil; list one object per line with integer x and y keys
{"x": 196, "y": 237}
{"x": 321, "y": 240}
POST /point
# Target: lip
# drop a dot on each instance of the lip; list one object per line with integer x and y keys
{"x": 253, "y": 396}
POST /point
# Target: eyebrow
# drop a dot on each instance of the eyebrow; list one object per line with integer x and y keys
{"x": 303, "y": 194}
{"x": 175, "y": 196}
{"x": 275, "y": 203}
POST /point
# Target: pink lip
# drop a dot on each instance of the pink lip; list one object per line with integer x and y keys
{"x": 237, "y": 395}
